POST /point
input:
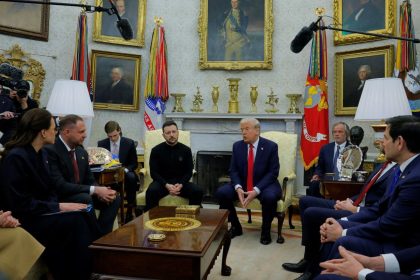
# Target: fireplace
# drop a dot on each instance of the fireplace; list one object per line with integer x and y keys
{"x": 212, "y": 171}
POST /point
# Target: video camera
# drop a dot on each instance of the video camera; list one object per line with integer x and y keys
{"x": 11, "y": 77}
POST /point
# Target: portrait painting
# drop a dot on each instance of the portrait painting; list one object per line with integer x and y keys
{"x": 35, "y": 25}
{"x": 235, "y": 34}
{"x": 116, "y": 80}
{"x": 372, "y": 16}
{"x": 353, "y": 68}
{"x": 105, "y": 25}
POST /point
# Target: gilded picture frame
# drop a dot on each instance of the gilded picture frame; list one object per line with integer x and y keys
{"x": 352, "y": 68}
{"x": 374, "y": 16}
{"x": 235, "y": 40}
{"x": 104, "y": 27}
{"x": 116, "y": 80}
{"x": 36, "y": 23}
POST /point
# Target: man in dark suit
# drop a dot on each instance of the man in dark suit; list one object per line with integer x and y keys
{"x": 118, "y": 91}
{"x": 327, "y": 159}
{"x": 123, "y": 149}
{"x": 402, "y": 265}
{"x": 71, "y": 175}
{"x": 314, "y": 211}
{"x": 249, "y": 180}
{"x": 391, "y": 224}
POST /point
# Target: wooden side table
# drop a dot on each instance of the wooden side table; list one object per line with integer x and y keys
{"x": 340, "y": 190}
{"x": 112, "y": 177}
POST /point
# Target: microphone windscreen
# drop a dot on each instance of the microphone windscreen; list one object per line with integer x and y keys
{"x": 301, "y": 39}
{"x": 11, "y": 72}
{"x": 125, "y": 29}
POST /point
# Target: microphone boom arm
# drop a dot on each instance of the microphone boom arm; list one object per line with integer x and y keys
{"x": 88, "y": 8}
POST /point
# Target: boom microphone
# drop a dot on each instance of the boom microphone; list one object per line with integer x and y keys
{"x": 303, "y": 37}
{"x": 123, "y": 24}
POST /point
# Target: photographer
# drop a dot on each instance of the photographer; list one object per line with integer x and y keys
{"x": 8, "y": 121}
{"x": 21, "y": 100}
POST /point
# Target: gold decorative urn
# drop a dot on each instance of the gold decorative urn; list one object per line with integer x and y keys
{"x": 253, "y": 95}
{"x": 233, "y": 100}
{"x": 215, "y": 97}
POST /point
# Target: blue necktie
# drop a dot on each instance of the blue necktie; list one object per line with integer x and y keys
{"x": 397, "y": 175}
{"x": 337, "y": 153}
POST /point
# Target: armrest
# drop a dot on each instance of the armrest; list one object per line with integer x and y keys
{"x": 143, "y": 171}
{"x": 286, "y": 181}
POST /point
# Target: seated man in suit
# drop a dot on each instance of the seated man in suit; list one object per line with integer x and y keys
{"x": 391, "y": 224}
{"x": 314, "y": 211}
{"x": 249, "y": 180}
{"x": 171, "y": 167}
{"x": 71, "y": 175}
{"x": 123, "y": 149}
{"x": 327, "y": 159}
{"x": 404, "y": 264}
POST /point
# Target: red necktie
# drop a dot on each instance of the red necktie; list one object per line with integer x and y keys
{"x": 370, "y": 184}
{"x": 75, "y": 167}
{"x": 250, "y": 175}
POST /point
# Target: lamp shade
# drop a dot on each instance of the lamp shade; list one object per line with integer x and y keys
{"x": 381, "y": 99}
{"x": 70, "y": 97}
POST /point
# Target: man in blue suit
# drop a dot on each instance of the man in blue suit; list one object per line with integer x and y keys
{"x": 327, "y": 159}
{"x": 391, "y": 224}
{"x": 401, "y": 265}
{"x": 314, "y": 211}
{"x": 124, "y": 149}
{"x": 249, "y": 180}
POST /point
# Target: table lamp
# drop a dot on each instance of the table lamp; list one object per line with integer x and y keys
{"x": 71, "y": 97}
{"x": 381, "y": 99}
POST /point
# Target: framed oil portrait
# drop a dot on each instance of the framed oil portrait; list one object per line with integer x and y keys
{"x": 105, "y": 26}
{"x": 115, "y": 80}
{"x": 35, "y": 25}
{"x": 372, "y": 16}
{"x": 235, "y": 35}
{"x": 353, "y": 68}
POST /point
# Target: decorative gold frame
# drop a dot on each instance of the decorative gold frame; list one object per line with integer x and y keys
{"x": 32, "y": 69}
{"x": 390, "y": 18}
{"x": 138, "y": 39}
{"x": 42, "y": 35}
{"x": 386, "y": 51}
{"x": 136, "y": 79}
{"x": 267, "y": 63}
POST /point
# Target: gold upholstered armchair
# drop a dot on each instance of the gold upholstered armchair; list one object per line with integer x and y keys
{"x": 287, "y": 144}
{"x": 151, "y": 139}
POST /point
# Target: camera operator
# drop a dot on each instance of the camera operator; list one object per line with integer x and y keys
{"x": 8, "y": 121}
{"x": 21, "y": 100}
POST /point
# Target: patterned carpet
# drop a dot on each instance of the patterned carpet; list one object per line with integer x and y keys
{"x": 256, "y": 224}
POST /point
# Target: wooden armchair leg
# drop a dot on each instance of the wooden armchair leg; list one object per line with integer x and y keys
{"x": 290, "y": 209}
{"x": 249, "y": 216}
{"x": 280, "y": 220}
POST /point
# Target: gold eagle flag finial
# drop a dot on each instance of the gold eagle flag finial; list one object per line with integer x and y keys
{"x": 320, "y": 12}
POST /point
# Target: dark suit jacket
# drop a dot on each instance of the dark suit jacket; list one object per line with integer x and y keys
{"x": 26, "y": 188}
{"x": 127, "y": 153}
{"x": 121, "y": 93}
{"x": 394, "y": 220}
{"x": 62, "y": 173}
{"x": 266, "y": 164}
{"x": 325, "y": 159}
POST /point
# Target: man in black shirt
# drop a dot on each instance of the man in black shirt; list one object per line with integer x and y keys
{"x": 171, "y": 168}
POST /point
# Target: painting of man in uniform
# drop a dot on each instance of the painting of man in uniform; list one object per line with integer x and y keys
{"x": 235, "y": 30}
{"x": 363, "y": 15}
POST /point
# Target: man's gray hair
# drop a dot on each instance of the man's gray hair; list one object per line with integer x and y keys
{"x": 366, "y": 68}
{"x": 254, "y": 122}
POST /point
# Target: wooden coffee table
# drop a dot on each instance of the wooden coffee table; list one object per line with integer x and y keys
{"x": 188, "y": 254}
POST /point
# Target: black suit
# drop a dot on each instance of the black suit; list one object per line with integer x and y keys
{"x": 121, "y": 93}
{"x": 128, "y": 158}
{"x": 62, "y": 175}
{"x": 27, "y": 191}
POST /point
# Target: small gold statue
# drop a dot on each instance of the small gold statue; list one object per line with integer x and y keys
{"x": 233, "y": 100}
{"x": 272, "y": 101}
{"x": 198, "y": 100}
{"x": 178, "y": 102}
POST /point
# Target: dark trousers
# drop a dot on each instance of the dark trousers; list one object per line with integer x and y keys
{"x": 156, "y": 192}
{"x": 66, "y": 237}
{"x": 314, "y": 189}
{"x": 107, "y": 213}
{"x": 314, "y": 211}
{"x": 131, "y": 188}
{"x": 268, "y": 198}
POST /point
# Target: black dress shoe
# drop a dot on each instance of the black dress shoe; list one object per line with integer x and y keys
{"x": 299, "y": 267}
{"x": 305, "y": 276}
{"x": 265, "y": 238}
{"x": 128, "y": 217}
{"x": 235, "y": 231}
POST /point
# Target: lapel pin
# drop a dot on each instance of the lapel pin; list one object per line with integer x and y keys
{"x": 83, "y": 157}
